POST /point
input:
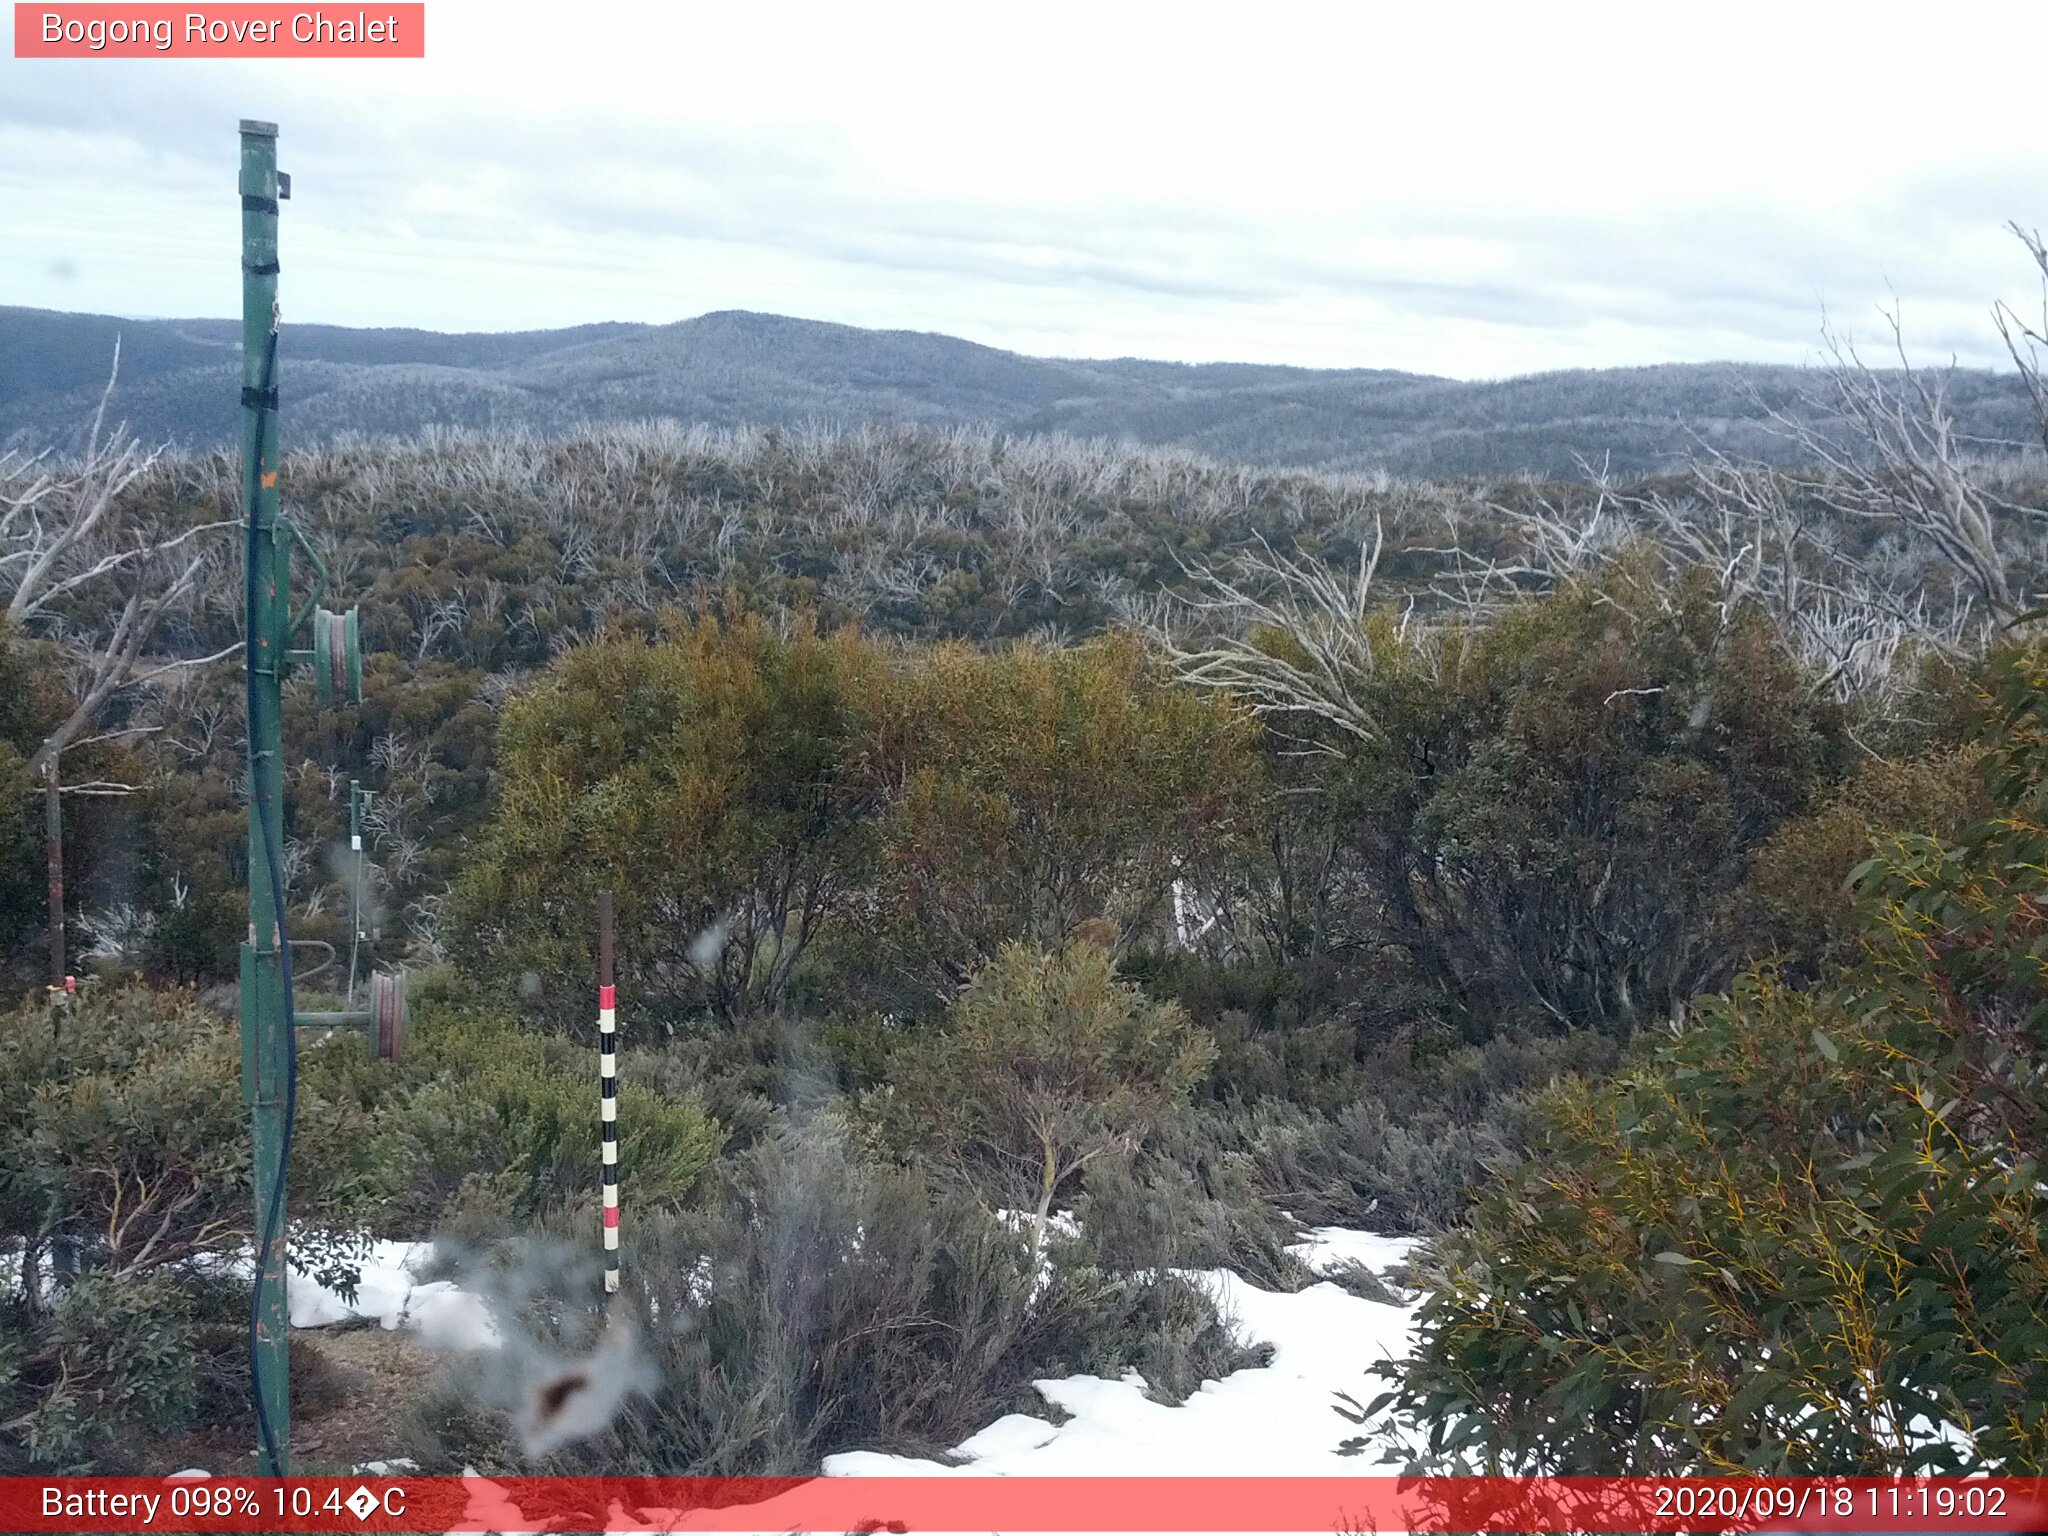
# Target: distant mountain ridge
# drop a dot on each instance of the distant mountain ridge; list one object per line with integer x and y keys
{"x": 180, "y": 382}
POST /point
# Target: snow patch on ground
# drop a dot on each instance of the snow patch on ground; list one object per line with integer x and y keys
{"x": 1274, "y": 1420}
{"x": 390, "y": 1293}
{"x": 1326, "y": 1249}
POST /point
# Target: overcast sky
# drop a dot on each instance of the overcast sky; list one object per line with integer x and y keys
{"x": 1477, "y": 191}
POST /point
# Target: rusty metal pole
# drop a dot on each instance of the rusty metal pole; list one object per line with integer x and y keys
{"x": 53, "y": 839}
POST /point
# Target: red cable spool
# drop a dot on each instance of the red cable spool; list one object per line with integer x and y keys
{"x": 387, "y": 1015}
{"x": 337, "y": 657}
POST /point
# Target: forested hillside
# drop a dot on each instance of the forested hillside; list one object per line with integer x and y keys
{"x": 736, "y": 368}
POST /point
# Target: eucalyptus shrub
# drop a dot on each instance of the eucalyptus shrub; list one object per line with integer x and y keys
{"x": 123, "y": 1132}
{"x": 492, "y": 1124}
{"x": 710, "y": 780}
{"x": 785, "y": 814}
{"x": 1047, "y": 1064}
{"x": 1805, "y": 1231}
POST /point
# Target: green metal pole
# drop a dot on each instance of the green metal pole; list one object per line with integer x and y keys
{"x": 264, "y": 1040}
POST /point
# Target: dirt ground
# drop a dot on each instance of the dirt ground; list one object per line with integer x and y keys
{"x": 349, "y": 1387}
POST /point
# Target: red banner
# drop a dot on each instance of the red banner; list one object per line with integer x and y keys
{"x": 378, "y": 31}
{"x": 963, "y": 1502}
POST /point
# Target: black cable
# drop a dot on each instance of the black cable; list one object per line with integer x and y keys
{"x": 266, "y": 1428}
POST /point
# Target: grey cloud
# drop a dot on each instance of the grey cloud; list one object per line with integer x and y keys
{"x": 622, "y": 190}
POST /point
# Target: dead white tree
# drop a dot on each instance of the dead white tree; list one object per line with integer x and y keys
{"x": 1286, "y": 635}
{"x": 1766, "y": 538}
{"x": 2025, "y": 339}
{"x": 67, "y": 549}
{"x": 1905, "y": 463}
{"x": 1956, "y": 562}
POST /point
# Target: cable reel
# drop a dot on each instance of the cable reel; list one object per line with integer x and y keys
{"x": 337, "y": 657}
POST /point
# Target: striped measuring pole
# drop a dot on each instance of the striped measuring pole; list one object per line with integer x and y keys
{"x": 608, "y": 1087}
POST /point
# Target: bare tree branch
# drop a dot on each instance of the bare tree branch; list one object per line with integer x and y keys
{"x": 190, "y": 661}
{"x": 1302, "y": 650}
{"x": 2025, "y": 339}
{"x": 66, "y": 534}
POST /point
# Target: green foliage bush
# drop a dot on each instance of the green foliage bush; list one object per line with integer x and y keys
{"x": 1548, "y": 823}
{"x": 1797, "y": 903}
{"x": 122, "y": 1124}
{"x": 897, "y": 815}
{"x": 1031, "y": 790}
{"x": 1582, "y": 795}
{"x": 485, "y": 1125}
{"x": 123, "y": 1133}
{"x": 711, "y": 781}
{"x": 1046, "y": 1063}
{"x": 1806, "y": 1227}
{"x": 196, "y": 940}
{"x": 112, "y": 1358}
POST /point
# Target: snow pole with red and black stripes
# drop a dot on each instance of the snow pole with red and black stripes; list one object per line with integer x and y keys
{"x": 608, "y": 1087}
